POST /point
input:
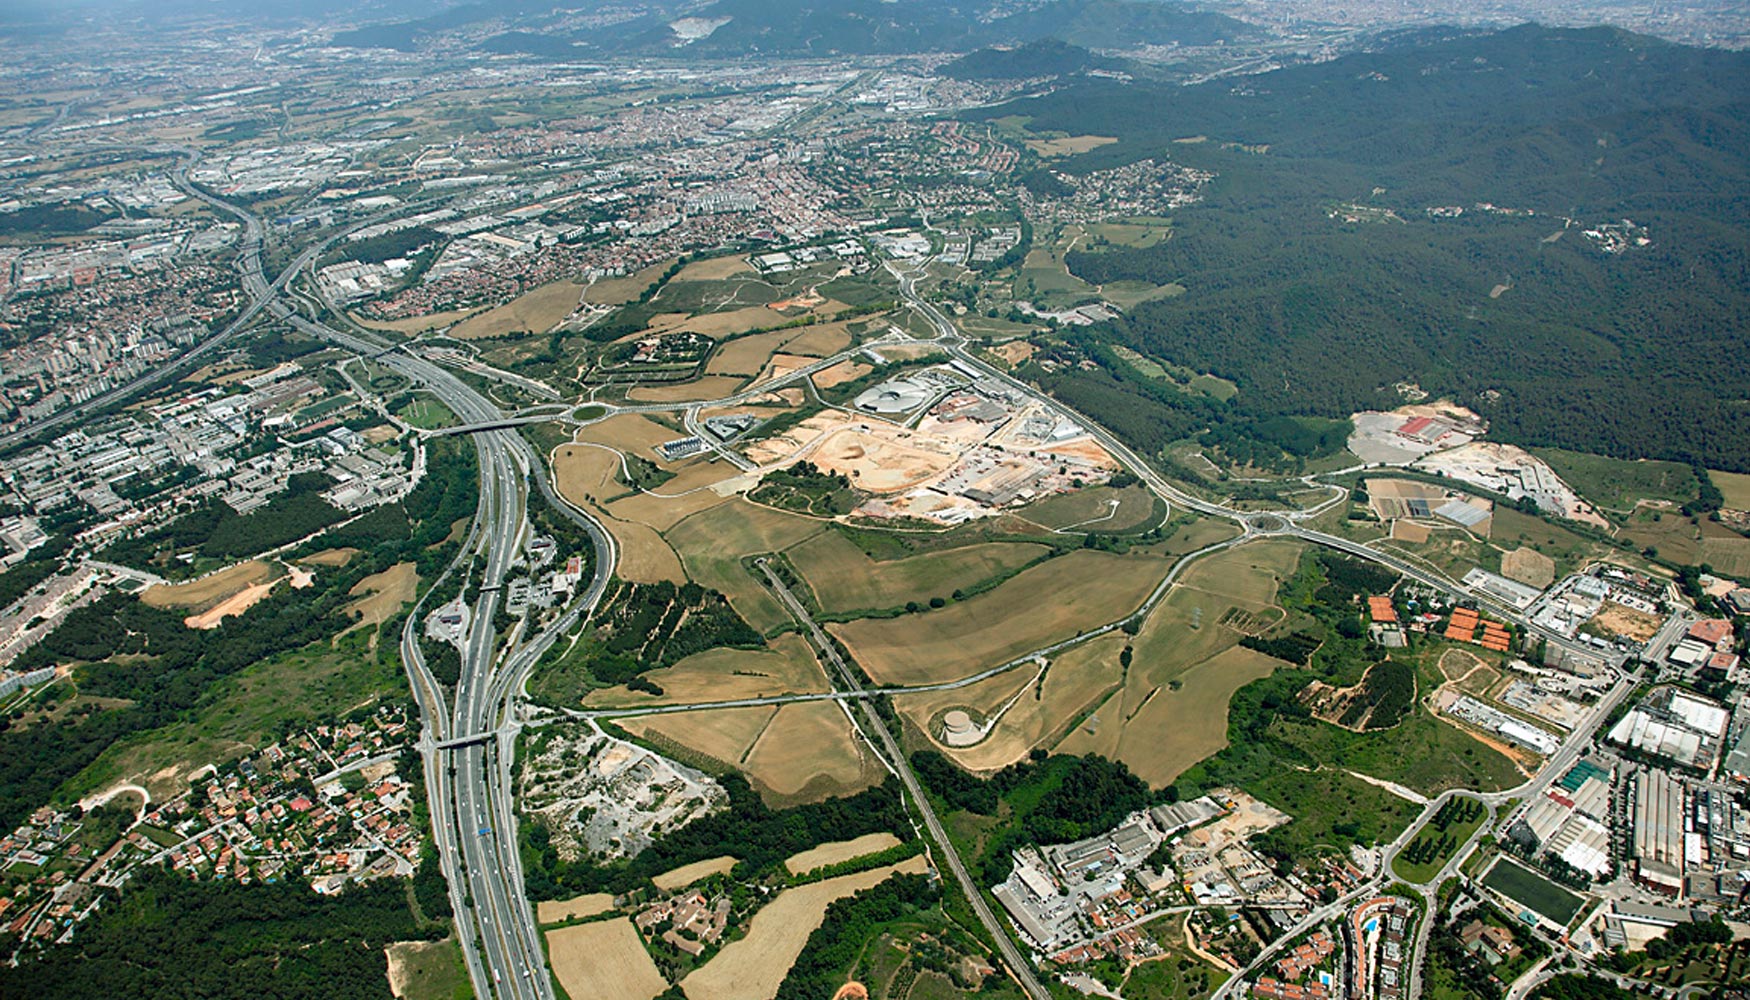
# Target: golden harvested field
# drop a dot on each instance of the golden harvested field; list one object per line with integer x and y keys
{"x": 381, "y": 595}
{"x": 686, "y": 875}
{"x": 712, "y": 543}
{"x": 533, "y": 312}
{"x": 786, "y": 667}
{"x": 839, "y": 852}
{"x": 732, "y": 321}
{"x": 1730, "y": 556}
{"x": 1045, "y": 603}
{"x": 1172, "y": 730}
{"x": 619, "y": 291}
{"x": 604, "y": 960}
{"x": 709, "y": 387}
{"x": 753, "y": 967}
{"x": 844, "y": 371}
{"x": 746, "y": 356}
{"x": 644, "y": 556}
{"x": 1069, "y": 145}
{"x": 664, "y": 512}
{"x": 1159, "y": 731}
{"x": 1528, "y": 566}
{"x": 809, "y": 753}
{"x": 820, "y": 341}
{"x": 714, "y": 269}
{"x": 586, "y": 474}
{"x": 554, "y": 911}
{"x": 722, "y": 734}
{"x": 1078, "y": 679}
{"x": 413, "y": 324}
{"x": 1734, "y": 487}
{"x": 209, "y": 590}
{"x": 844, "y": 578}
{"x": 630, "y": 432}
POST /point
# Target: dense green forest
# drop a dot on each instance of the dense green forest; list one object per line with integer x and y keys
{"x": 169, "y": 937}
{"x": 1522, "y": 316}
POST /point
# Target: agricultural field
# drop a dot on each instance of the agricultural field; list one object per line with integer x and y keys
{"x": 807, "y": 753}
{"x": 844, "y": 578}
{"x": 534, "y": 312}
{"x": 1071, "y": 593}
{"x": 839, "y": 852}
{"x": 603, "y": 960}
{"x": 712, "y": 543}
{"x": 382, "y": 595}
{"x": 428, "y": 970}
{"x": 1172, "y": 710}
{"x": 786, "y": 666}
{"x": 1075, "y": 683}
{"x": 1094, "y": 510}
{"x": 619, "y": 291}
{"x": 753, "y": 966}
{"x": 685, "y": 875}
{"x": 1734, "y": 488}
{"x": 557, "y": 911}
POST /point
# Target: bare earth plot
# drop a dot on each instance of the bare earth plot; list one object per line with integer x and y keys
{"x": 844, "y": 578}
{"x": 786, "y": 667}
{"x": 712, "y": 543}
{"x": 839, "y": 852}
{"x": 603, "y": 960}
{"x": 753, "y": 967}
{"x": 210, "y": 589}
{"x": 1046, "y": 603}
{"x": 381, "y": 595}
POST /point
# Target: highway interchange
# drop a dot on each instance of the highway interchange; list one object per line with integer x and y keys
{"x": 469, "y": 735}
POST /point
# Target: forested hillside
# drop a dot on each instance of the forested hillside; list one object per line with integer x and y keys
{"x": 1317, "y": 277}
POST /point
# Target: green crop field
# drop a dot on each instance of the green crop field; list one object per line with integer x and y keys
{"x": 1533, "y": 891}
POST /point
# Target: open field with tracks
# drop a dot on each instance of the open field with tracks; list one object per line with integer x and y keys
{"x": 844, "y": 578}
{"x": 1048, "y": 602}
